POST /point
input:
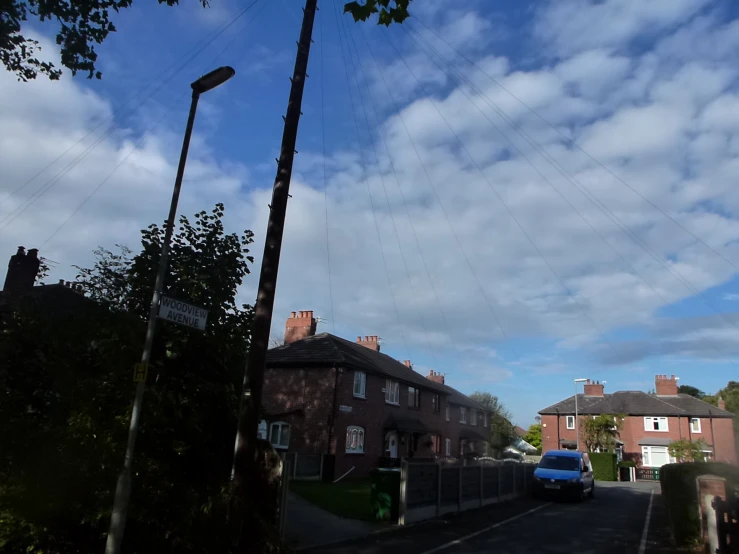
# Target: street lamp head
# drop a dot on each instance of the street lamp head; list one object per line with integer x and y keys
{"x": 580, "y": 380}
{"x": 213, "y": 79}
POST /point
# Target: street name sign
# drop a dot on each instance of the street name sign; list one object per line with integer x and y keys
{"x": 183, "y": 313}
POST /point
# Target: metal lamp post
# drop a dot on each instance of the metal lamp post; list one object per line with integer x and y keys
{"x": 205, "y": 83}
{"x": 577, "y": 421}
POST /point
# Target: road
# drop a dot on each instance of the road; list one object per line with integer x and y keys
{"x": 615, "y": 521}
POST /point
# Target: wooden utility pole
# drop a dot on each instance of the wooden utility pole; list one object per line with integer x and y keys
{"x": 245, "y": 469}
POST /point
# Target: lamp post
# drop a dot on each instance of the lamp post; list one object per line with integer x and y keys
{"x": 205, "y": 83}
{"x": 577, "y": 421}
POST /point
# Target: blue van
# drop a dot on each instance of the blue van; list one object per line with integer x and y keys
{"x": 564, "y": 473}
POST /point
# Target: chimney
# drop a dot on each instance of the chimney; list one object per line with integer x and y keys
{"x": 436, "y": 377}
{"x": 665, "y": 386}
{"x": 721, "y": 403}
{"x": 299, "y": 326}
{"x": 22, "y": 270}
{"x": 371, "y": 341}
{"x": 594, "y": 388}
{"x": 407, "y": 363}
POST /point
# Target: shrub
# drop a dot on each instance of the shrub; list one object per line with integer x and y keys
{"x": 627, "y": 463}
{"x": 680, "y": 495}
{"x": 604, "y": 466}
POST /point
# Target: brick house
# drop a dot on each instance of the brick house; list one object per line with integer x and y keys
{"x": 650, "y": 424}
{"x": 324, "y": 394}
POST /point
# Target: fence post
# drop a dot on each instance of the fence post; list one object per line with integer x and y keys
{"x": 438, "y": 488}
{"x": 320, "y": 469}
{"x": 525, "y": 481}
{"x": 284, "y": 487}
{"x": 481, "y": 480}
{"x": 459, "y": 490}
{"x": 500, "y": 482}
{"x": 403, "y": 492}
{"x": 294, "y": 464}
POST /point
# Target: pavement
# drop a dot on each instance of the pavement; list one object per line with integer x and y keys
{"x": 622, "y": 518}
{"x": 308, "y": 525}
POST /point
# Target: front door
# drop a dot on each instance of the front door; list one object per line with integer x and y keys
{"x": 391, "y": 444}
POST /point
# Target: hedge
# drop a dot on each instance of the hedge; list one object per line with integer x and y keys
{"x": 604, "y": 466}
{"x": 627, "y": 463}
{"x": 680, "y": 495}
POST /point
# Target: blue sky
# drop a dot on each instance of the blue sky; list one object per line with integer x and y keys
{"x": 490, "y": 246}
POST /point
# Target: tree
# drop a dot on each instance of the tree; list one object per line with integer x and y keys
{"x": 601, "y": 432}
{"x": 502, "y": 431}
{"x": 685, "y": 450}
{"x": 65, "y": 415}
{"x": 390, "y": 11}
{"x": 533, "y": 436}
{"x": 692, "y": 391}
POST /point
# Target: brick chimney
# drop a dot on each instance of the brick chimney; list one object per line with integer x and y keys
{"x": 436, "y": 377}
{"x": 22, "y": 271}
{"x": 370, "y": 341}
{"x": 299, "y": 326}
{"x": 594, "y": 388}
{"x": 721, "y": 403}
{"x": 665, "y": 386}
{"x": 407, "y": 363}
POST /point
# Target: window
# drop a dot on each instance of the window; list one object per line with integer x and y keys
{"x": 570, "y": 422}
{"x": 360, "y": 384}
{"x": 447, "y": 447}
{"x": 392, "y": 392}
{"x": 279, "y": 434}
{"x": 462, "y": 414}
{"x": 655, "y": 424}
{"x": 436, "y": 444}
{"x": 354, "y": 439}
{"x": 414, "y": 397}
{"x": 436, "y": 402}
{"x": 448, "y": 416}
{"x": 484, "y": 419}
{"x": 655, "y": 456}
{"x": 462, "y": 447}
{"x": 695, "y": 425}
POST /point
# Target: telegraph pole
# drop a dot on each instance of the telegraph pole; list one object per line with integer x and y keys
{"x": 244, "y": 472}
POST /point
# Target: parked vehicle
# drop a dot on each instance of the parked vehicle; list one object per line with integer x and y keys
{"x": 564, "y": 473}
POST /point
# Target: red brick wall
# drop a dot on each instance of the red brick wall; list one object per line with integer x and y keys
{"x": 310, "y": 390}
{"x": 723, "y": 443}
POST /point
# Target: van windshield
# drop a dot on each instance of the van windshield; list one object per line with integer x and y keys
{"x": 566, "y": 463}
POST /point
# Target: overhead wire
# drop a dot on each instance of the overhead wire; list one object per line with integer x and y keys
{"x": 71, "y": 165}
{"x": 577, "y": 146}
{"x": 577, "y": 184}
{"x": 366, "y": 181}
{"x": 492, "y": 187}
{"x": 143, "y": 137}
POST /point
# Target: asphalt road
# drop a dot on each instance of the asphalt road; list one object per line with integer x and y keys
{"x": 613, "y": 522}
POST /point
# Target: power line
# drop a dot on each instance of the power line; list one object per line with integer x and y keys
{"x": 366, "y": 180}
{"x": 60, "y": 174}
{"x": 573, "y": 143}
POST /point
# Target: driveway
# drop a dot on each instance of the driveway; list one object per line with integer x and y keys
{"x": 615, "y": 521}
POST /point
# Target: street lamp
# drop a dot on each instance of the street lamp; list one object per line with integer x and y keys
{"x": 577, "y": 422}
{"x": 207, "y": 82}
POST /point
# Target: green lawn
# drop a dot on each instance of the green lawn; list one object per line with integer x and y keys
{"x": 350, "y": 499}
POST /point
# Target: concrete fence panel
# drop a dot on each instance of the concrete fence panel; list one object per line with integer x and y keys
{"x": 422, "y": 485}
{"x": 490, "y": 483}
{"x": 450, "y": 485}
{"x": 507, "y": 480}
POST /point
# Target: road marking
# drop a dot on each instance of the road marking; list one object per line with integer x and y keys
{"x": 645, "y": 531}
{"x": 481, "y": 531}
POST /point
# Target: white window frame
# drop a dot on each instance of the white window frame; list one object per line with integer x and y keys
{"x": 484, "y": 419}
{"x": 448, "y": 447}
{"x": 473, "y": 417}
{"x": 462, "y": 414}
{"x": 360, "y": 378}
{"x": 646, "y": 455}
{"x": 447, "y": 412}
{"x": 392, "y": 392}
{"x": 570, "y": 421}
{"x": 437, "y": 439}
{"x": 649, "y": 424}
{"x": 463, "y": 446}
{"x": 354, "y": 439}
{"x": 695, "y": 420}
{"x": 281, "y": 426}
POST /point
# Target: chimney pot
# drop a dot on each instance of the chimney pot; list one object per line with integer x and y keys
{"x": 22, "y": 271}
{"x": 435, "y": 376}
{"x": 664, "y": 386}
{"x": 299, "y": 328}
{"x": 369, "y": 341}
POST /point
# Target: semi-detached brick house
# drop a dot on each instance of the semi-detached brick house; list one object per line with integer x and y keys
{"x": 651, "y": 422}
{"x": 324, "y": 394}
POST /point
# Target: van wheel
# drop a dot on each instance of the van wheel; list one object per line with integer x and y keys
{"x": 591, "y": 494}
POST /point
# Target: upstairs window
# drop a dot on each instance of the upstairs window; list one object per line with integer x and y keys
{"x": 448, "y": 415}
{"x": 354, "y": 439}
{"x": 392, "y": 392}
{"x": 695, "y": 425}
{"x": 474, "y": 417}
{"x": 414, "y": 397}
{"x": 360, "y": 384}
{"x": 279, "y": 435}
{"x": 436, "y": 403}
{"x": 462, "y": 414}
{"x": 655, "y": 424}
{"x": 484, "y": 419}
{"x": 570, "y": 422}
{"x": 436, "y": 444}
{"x": 447, "y": 447}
